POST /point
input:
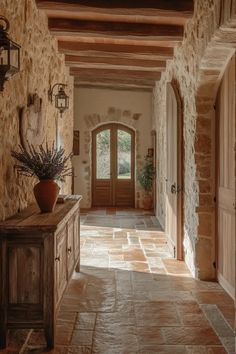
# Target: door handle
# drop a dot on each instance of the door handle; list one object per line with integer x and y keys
{"x": 173, "y": 188}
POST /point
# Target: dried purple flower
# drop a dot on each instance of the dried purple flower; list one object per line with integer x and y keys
{"x": 43, "y": 163}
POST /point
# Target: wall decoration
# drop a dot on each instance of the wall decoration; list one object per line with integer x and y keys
{"x": 136, "y": 116}
{"x": 31, "y": 122}
{"x": 76, "y": 143}
{"x": 150, "y": 152}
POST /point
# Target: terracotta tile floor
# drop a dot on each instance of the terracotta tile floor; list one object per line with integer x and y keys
{"x": 131, "y": 297}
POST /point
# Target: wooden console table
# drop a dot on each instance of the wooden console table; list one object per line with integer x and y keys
{"x": 38, "y": 253}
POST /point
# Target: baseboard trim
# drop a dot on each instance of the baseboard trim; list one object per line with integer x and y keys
{"x": 226, "y": 285}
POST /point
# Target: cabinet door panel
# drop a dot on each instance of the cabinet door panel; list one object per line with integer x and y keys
{"x": 25, "y": 274}
{"x": 70, "y": 247}
{"x": 61, "y": 263}
{"x": 76, "y": 235}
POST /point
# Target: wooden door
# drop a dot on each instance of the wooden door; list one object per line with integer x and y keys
{"x": 171, "y": 168}
{"x": 113, "y": 166}
{"x": 226, "y": 180}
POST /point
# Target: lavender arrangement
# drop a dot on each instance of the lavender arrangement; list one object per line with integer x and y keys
{"x": 43, "y": 163}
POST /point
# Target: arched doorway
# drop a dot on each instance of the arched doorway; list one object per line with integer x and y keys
{"x": 174, "y": 171}
{"x": 113, "y": 166}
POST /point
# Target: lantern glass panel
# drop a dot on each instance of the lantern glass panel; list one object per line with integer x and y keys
{"x": 60, "y": 102}
{"x": 3, "y": 56}
{"x": 14, "y": 58}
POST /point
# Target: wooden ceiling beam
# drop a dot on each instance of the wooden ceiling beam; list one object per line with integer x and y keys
{"x": 67, "y": 27}
{"x": 117, "y": 40}
{"x": 76, "y": 61}
{"x": 115, "y": 81}
{"x": 115, "y": 50}
{"x": 87, "y": 73}
{"x": 170, "y": 5}
{"x": 113, "y": 86}
{"x": 161, "y": 18}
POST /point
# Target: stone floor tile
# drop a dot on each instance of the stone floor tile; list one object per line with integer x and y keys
{"x": 85, "y": 321}
{"x": 109, "y": 321}
{"x": 37, "y": 338}
{"x": 114, "y": 343}
{"x": 15, "y": 340}
{"x": 229, "y": 314}
{"x": 139, "y": 266}
{"x": 213, "y": 297}
{"x": 190, "y": 336}
{"x": 176, "y": 267}
{"x": 64, "y": 333}
{"x": 188, "y": 307}
{"x": 41, "y": 350}
{"x": 79, "y": 349}
{"x": 194, "y": 320}
{"x": 197, "y": 349}
{"x": 229, "y": 344}
{"x": 157, "y": 270}
{"x": 82, "y": 337}
{"x": 150, "y": 336}
{"x": 166, "y": 295}
{"x": 217, "y": 321}
{"x": 162, "y": 349}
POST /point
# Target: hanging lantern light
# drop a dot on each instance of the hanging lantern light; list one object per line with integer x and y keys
{"x": 9, "y": 54}
{"x": 61, "y": 99}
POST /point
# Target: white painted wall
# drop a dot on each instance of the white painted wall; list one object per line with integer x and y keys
{"x": 92, "y": 107}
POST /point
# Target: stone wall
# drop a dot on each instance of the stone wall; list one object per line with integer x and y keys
{"x": 41, "y": 66}
{"x": 94, "y": 107}
{"x": 197, "y": 67}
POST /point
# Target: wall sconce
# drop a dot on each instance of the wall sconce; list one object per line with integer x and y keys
{"x": 61, "y": 99}
{"x": 9, "y": 54}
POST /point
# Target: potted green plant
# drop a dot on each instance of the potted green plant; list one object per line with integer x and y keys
{"x": 48, "y": 164}
{"x": 145, "y": 178}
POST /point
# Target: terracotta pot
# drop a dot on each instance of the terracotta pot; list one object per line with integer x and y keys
{"x": 147, "y": 202}
{"x": 46, "y": 193}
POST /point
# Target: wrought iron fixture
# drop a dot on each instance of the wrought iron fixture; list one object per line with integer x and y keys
{"x": 9, "y": 53}
{"x": 61, "y": 99}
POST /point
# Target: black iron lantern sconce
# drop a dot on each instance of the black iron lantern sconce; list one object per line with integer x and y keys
{"x": 61, "y": 99}
{"x": 9, "y": 54}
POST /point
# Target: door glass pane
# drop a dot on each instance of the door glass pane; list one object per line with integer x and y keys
{"x": 123, "y": 154}
{"x": 103, "y": 155}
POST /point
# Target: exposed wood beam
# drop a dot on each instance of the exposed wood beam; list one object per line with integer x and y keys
{"x": 76, "y": 61}
{"x": 137, "y": 78}
{"x": 74, "y": 28}
{"x": 108, "y": 73}
{"x": 170, "y": 5}
{"x": 164, "y": 18}
{"x": 113, "y": 67}
{"x": 171, "y": 11}
{"x": 114, "y": 50}
{"x": 147, "y": 42}
{"x": 113, "y": 86}
{"x": 117, "y": 81}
